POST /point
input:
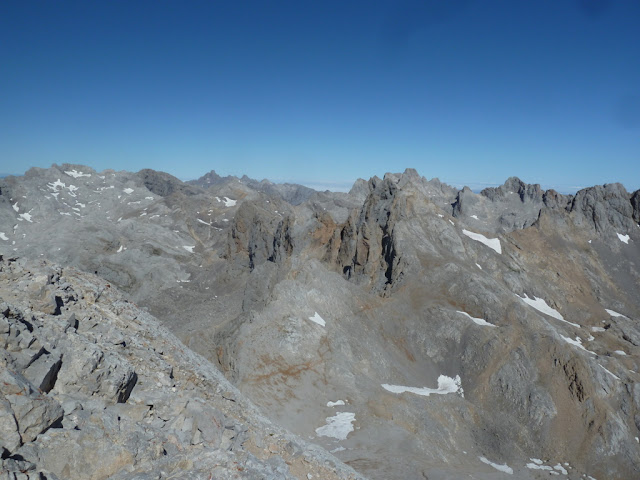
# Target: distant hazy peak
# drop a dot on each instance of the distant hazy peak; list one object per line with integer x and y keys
{"x": 164, "y": 184}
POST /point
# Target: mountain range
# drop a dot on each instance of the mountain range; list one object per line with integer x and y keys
{"x": 233, "y": 328}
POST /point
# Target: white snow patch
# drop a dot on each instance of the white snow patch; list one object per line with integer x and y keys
{"x": 3, "y": 236}
{"x": 478, "y": 265}
{"x": 143, "y": 214}
{"x": 81, "y": 205}
{"x": 445, "y": 385}
{"x": 337, "y": 449}
{"x": 597, "y": 329}
{"x": 610, "y": 373}
{"x": 440, "y": 215}
{"x": 538, "y": 466}
{"x": 55, "y": 185}
{"x": 25, "y": 216}
{"x": 15, "y": 206}
{"x": 503, "y": 468}
{"x": 338, "y": 426}
{"x": 623, "y": 238}
{"x": 493, "y": 243}
{"x": 65, "y": 213}
{"x": 120, "y": 249}
{"x": 202, "y": 221}
{"x": 620, "y": 352}
{"x": 451, "y": 222}
{"x": 128, "y": 190}
{"x": 75, "y": 174}
{"x": 540, "y": 305}
{"x": 148, "y": 198}
{"x": 318, "y": 319}
{"x": 613, "y": 314}
{"x": 228, "y": 202}
{"x": 479, "y": 321}
{"x": 577, "y": 342}
{"x": 188, "y": 248}
{"x": 561, "y": 469}
{"x": 537, "y": 461}
{"x": 474, "y": 216}
{"x": 336, "y": 403}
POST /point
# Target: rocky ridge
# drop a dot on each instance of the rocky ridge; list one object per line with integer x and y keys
{"x": 93, "y": 387}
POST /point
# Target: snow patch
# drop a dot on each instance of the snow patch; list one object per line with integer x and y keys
{"x": 561, "y": 469}
{"x": 445, "y": 385}
{"x": 474, "y": 216}
{"x": 128, "y": 190}
{"x": 597, "y": 329}
{"x": 338, "y": 426}
{"x": 610, "y": 373}
{"x": 120, "y": 249}
{"x": 75, "y": 174}
{"x": 577, "y": 343}
{"x": 228, "y": 202}
{"x": 3, "y": 236}
{"x": 318, "y": 319}
{"x": 188, "y": 248}
{"x": 335, "y": 404}
{"x": 613, "y": 314}
{"x": 478, "y": 321}
{"x": 478, "y": 265}
{"x": 202, "y": 221}
{"x": 15, "y": 206}
{"x": 503, "y": 468}
{"x": 492, "y": 243}
{"x": 620, "y": 352}
{"x": 25, "y": 216}
{"x": 540, "y": 305}
{"x": 55, "y": 185}
{"x": 623, "y": 238}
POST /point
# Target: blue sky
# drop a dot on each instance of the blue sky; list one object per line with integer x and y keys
{"x": 322, "y": 93}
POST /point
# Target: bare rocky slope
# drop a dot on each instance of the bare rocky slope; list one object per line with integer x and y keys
{"x": 411, "y": 329}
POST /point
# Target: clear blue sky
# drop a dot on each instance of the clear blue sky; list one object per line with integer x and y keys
{"x": 468, "y": 91}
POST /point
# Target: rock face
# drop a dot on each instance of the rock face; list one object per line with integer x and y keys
{"x": 412, "y": 329}
{"x": 123, "y": 398}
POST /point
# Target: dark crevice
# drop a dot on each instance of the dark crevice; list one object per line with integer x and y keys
{"x": 59, "y": 305}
